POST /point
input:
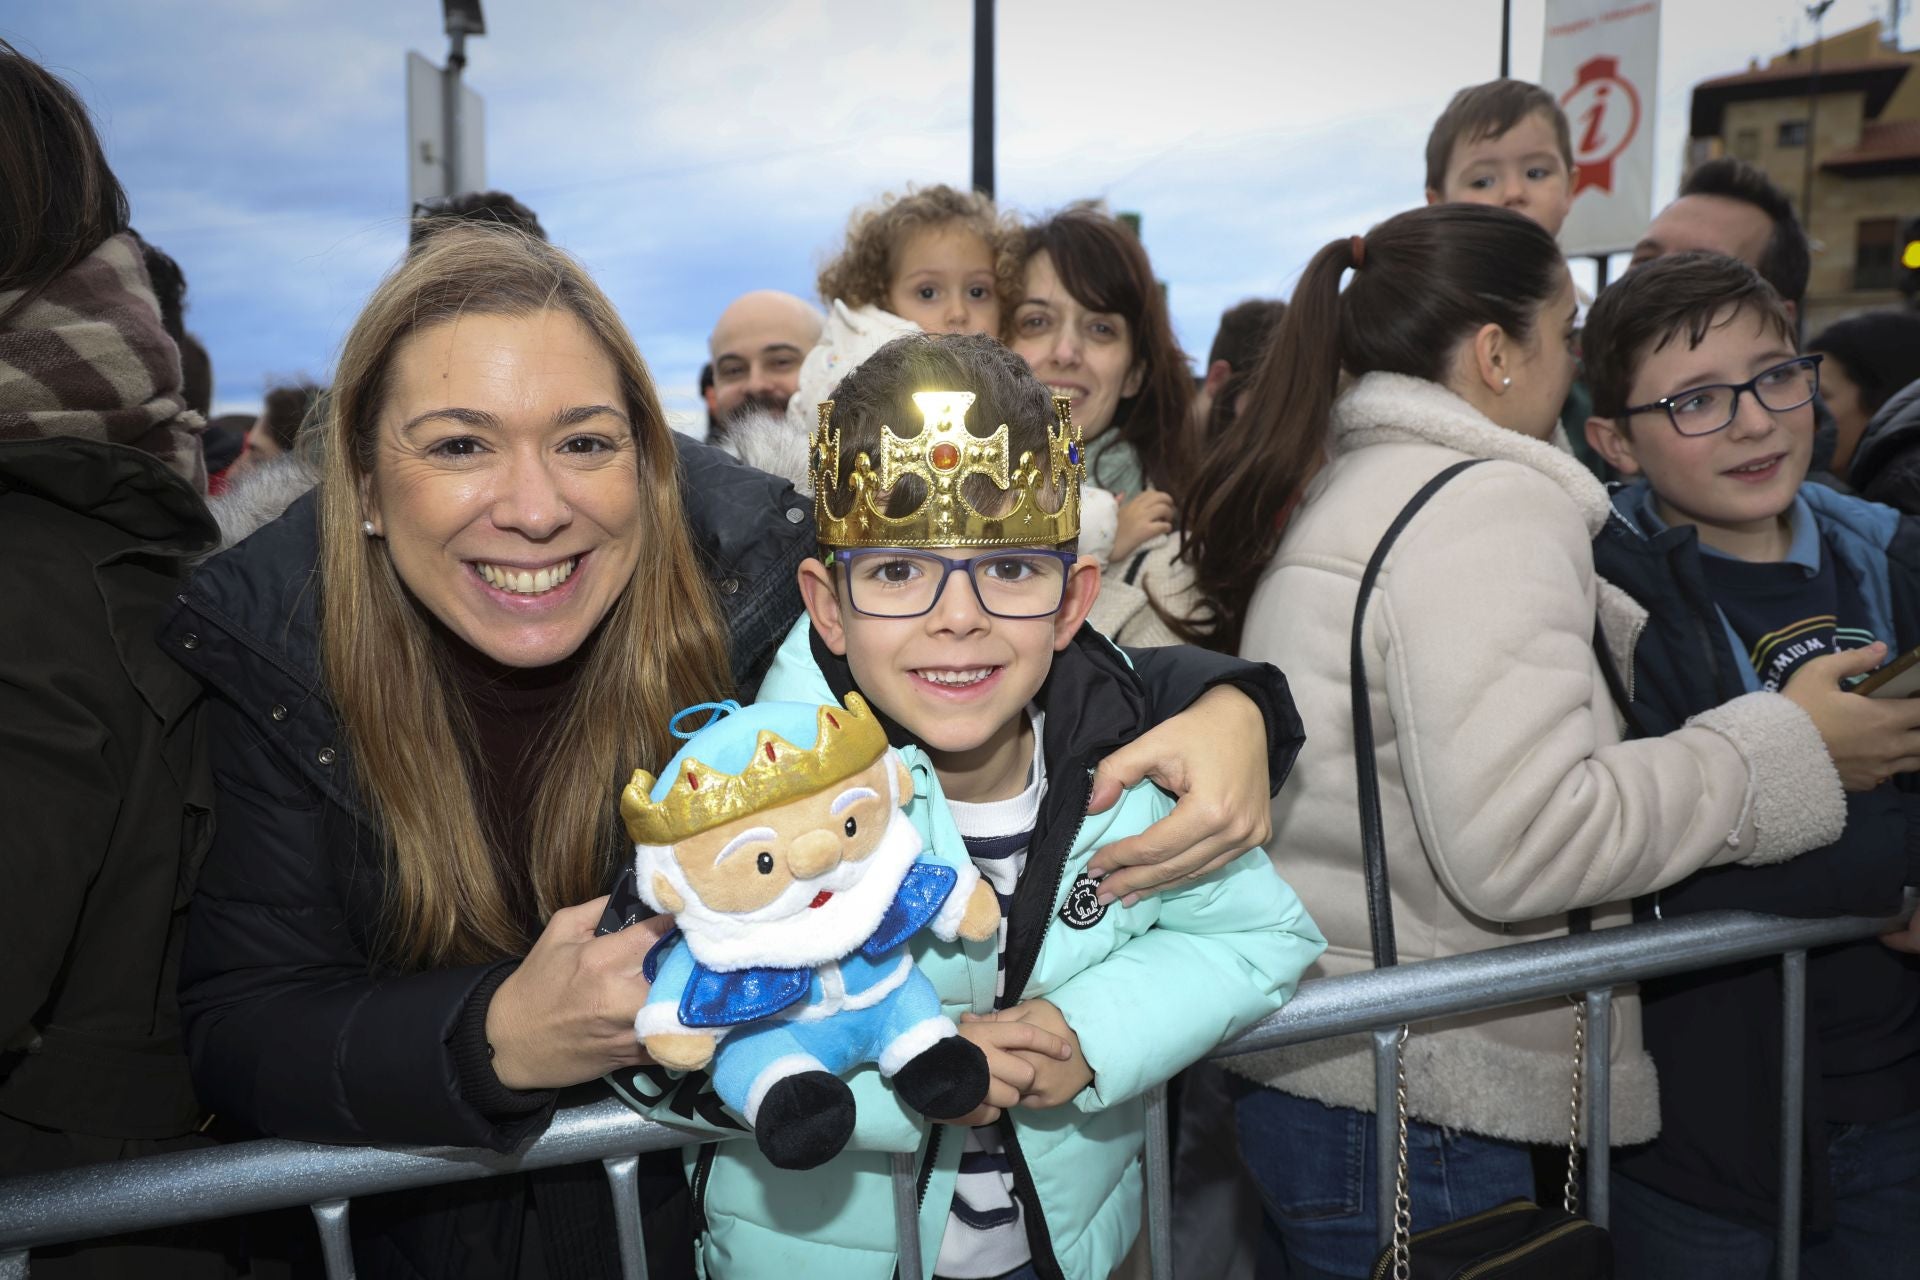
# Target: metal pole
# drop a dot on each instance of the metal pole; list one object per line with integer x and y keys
{"x": 983, "y": 97}
{"x": 336, "y": 1241}
{"x": 1816, "y": 11}
{"x": 1599, "y": 1091}
{"x": 623, "y": 1179}
{"x": 1601, "y": 261}
{"x": 906, "y": 1216}
{"x": 1386, "y": 1131}
{"x": 1506, "y": 38}
{"x": 1793, "y": 1084}
{"x": 1159, "y": 1187}
{"x": 450, "y": 110}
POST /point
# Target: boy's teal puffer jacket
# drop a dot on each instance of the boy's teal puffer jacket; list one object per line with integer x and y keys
{"x": 1147, "y": 989}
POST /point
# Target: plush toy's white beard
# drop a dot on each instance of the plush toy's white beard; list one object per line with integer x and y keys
{"x": 787, "y": 933}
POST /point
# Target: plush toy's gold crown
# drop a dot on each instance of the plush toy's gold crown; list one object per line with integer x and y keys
{"x": 943, "y": 454}
{"x": 702, "y": 798}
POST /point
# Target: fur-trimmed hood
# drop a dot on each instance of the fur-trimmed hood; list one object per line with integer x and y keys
{"x": 1380, "y": 407}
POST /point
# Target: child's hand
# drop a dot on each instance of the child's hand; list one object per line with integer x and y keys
{"x": 1055, "y": 1080}
{"x": 1145, "y": 515}
{"x": 1013, "y": 1047}
{"x": 1870, "y": 739}
{"x": 1905, "y": 939}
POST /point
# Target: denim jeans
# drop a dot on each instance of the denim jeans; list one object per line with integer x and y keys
{"x": 1315, "y": 1168}
{"x": 1875, "y": 1232}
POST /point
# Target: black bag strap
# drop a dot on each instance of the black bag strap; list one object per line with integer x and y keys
{"x": 1373, "y": 842}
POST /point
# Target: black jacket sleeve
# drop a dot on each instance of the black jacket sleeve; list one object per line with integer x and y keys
{"x": 751, "y": 530}
{"x": 291, "y": 1028}
{"x": 1177, "y": 675}
{"x": 1861, "y": 873}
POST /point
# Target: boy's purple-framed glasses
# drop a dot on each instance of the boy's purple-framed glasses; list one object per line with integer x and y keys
{"x": 1701, "y": 411}
{"x": 905, "y": 582}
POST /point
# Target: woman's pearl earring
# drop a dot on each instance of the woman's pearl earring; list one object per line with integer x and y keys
{"x": 366, "y": 527}
{"x": 1506, "y": 383}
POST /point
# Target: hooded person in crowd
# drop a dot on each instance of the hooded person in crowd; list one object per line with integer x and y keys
{"x": 102, "y": 771}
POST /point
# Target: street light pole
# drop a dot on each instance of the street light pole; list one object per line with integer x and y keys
{"x": 1816, "y": 11}
{"x": 463, "y": 20}
{"x": 1506, "y": 38}
{"x": 983, "y": 97}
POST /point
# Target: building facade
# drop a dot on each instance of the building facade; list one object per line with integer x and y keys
{"x": 1837, "y": 128}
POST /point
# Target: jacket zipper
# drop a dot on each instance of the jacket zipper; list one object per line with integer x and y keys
{"x": 1027, "y": 962}
{"x": 702, "y": 1167}
{"x": 920, "y": 1193}
{"x": 1039, "y": 1238}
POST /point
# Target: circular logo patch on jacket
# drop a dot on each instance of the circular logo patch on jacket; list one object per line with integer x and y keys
{"x": 1083, "y": 908}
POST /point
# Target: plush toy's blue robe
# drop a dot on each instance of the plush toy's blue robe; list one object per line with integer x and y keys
{"x": 872, "y": 1005}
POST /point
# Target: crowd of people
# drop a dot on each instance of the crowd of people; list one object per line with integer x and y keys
{"x": 313, "y": 729}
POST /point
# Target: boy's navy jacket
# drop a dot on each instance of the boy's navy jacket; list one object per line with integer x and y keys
{"x": 1715, "y": 1035}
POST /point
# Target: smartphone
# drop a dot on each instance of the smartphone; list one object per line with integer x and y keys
{"x": 1898, "y": 679}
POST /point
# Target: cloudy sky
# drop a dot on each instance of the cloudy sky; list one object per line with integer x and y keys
{"x": 688, "y": 152}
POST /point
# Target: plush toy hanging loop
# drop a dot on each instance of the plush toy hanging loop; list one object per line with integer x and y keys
{"x": 720, "y": 709}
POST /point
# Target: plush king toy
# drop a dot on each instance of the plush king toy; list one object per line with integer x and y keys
{"x": 778, "y": 840}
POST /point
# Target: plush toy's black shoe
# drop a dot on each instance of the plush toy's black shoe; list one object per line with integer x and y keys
{"x": 805, "y": 1120}
{"x": 945, "y": 1081}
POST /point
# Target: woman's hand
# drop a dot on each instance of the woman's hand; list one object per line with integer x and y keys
{"x": 1144, "y": 516}
{"x": 566, "y": 1014}
{"x": 1213, "y": 758}
{"x": 1870, "y": 739}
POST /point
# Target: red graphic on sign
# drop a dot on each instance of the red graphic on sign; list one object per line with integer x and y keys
{"x": 1604, "y": 110}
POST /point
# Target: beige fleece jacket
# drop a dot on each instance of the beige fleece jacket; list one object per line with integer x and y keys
{"x": 1507, "y": 794}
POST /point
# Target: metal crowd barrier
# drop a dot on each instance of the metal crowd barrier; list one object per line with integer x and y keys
{"x": 248, "y": 1177}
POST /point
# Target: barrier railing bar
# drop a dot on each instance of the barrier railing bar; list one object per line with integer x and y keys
{"x": 272, "y": 1173}
{"x": 1793, "y": 1095}
{"x": 1525, "y": 972}
{"x": 623, "y": 1181}
{"x": 1386, "y": 1133}
{"x": 1159, "y": 1170}
{"x": 336, "y": 1240}
{"x": 247, "y": 1177}
{"x": 906, "y": 1216}
{"x": 1598, "y": 1090}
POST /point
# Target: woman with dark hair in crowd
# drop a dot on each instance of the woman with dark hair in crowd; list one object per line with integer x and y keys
{"x": 1506, "y": 793}
{"x": 102, "y": 778}
{"x": 429, "y": 677}
{"x": 1871, "y": 358}
{"x": 1092, "y": 323}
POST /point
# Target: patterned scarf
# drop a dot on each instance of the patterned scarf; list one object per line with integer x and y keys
{"x": 88, "y": 358}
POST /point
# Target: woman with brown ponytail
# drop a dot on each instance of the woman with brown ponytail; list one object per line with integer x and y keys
{"x": 1507, "y": 795}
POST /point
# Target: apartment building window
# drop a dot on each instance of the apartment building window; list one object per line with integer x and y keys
{"x": 1746, "y": 144}
{"x": 1793, "y": 133}
{"x": 1875, "y": 243}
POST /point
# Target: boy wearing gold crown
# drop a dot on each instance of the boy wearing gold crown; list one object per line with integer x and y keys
{"x": 948, "y": 595}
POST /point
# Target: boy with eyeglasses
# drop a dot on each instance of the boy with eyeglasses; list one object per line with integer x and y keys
{"x": 1739, "y": 573}
{"x": 949, "y": 596}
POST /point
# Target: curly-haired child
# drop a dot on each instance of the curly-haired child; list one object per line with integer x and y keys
{"x": 933, "y": 260}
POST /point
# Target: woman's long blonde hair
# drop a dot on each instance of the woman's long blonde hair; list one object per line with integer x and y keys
{"x": 662, "y": 646}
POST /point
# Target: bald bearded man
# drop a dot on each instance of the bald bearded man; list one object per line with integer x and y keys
{"x": 757, "y": 346}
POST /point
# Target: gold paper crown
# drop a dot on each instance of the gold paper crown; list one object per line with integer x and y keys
{"x": 943, "y": 454}
{"x": 702, "y": 797}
